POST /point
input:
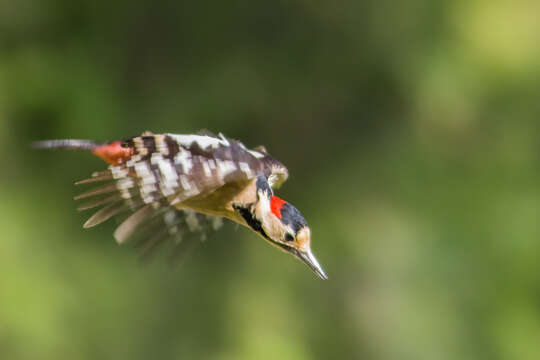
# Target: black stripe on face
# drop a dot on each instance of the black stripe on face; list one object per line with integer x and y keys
{"x": 251, "y": 220}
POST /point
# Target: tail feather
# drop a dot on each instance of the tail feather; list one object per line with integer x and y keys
{"x": 114, "y": 152}
{"x": 67, "y": 144}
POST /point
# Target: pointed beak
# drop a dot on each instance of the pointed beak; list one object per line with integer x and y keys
{"x": 310, "y": 260}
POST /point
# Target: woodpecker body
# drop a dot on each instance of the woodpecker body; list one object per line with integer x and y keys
{"x": 177, "y": 182}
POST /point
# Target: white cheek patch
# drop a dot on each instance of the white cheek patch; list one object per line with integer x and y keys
{"x": 272, "y": 226}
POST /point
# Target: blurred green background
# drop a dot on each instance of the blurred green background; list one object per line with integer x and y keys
{"x": 411, "y": 132}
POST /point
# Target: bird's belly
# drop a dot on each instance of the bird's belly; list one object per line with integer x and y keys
{"x": 220, "y": 202}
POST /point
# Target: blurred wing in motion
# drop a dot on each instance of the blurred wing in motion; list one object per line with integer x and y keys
{"x": 178, "y": 230}
{"x": 148, "y": 225}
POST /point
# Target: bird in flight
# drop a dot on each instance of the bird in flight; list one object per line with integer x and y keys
{"x": 170, "y": 184}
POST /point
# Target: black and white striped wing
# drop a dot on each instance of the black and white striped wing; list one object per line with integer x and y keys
{"x": 167, "y": 169}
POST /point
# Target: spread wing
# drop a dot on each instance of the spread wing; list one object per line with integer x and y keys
{"x": 153, "y": 227}
{"x": 164, "y": 171}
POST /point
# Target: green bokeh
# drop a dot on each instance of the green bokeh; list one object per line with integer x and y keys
{"x": 411, "y": 132}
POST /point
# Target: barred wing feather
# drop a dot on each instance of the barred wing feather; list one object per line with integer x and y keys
{"x": 164, "y": 171}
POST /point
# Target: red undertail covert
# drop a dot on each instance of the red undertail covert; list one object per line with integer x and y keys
{"x": 114, "y": 153}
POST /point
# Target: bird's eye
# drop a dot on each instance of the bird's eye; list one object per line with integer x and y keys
{"x": 289, "y": 237}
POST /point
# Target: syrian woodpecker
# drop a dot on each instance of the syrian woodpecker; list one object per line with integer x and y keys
{"x": 170, "y": 184}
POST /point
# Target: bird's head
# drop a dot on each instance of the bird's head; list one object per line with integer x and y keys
{"x": 282, "y": 225}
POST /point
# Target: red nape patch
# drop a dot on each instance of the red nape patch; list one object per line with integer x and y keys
{"x": 114, "y": 153}
{"x": 276, "y": 204}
